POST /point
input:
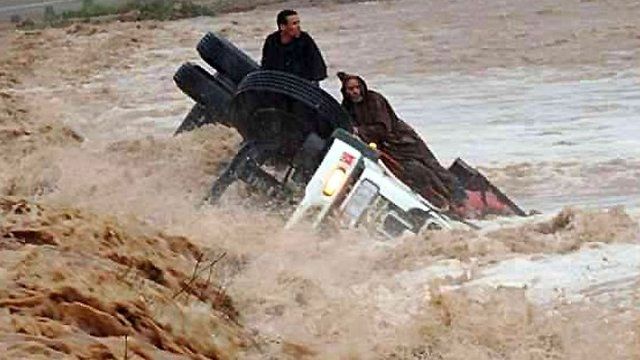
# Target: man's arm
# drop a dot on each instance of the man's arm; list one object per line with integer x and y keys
{"x": 379, "y": 126}
{"x": 264, "y": 61}
{"x": 372, "y": 133}
{"x": 317, "y": 66}
{"x": 267, "y": 54}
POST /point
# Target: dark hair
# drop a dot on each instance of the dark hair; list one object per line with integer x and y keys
{"x": 281, "y": 19}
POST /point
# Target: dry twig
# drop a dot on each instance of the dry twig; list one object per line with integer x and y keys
{"x": 197, "y": 272}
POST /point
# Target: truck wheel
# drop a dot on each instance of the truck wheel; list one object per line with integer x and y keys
{"x": 202, "y": 87}
{"x": 319, "y": 111}
{"x": 225, "y": 82}
{"x": 225, "y": 57}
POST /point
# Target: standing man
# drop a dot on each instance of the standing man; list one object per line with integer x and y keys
{"x": 292, "y": 50}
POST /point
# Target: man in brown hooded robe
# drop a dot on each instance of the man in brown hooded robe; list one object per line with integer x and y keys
{"x": 403, "y": 151}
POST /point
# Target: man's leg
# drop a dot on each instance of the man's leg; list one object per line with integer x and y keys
{"x": 424, "y": 181}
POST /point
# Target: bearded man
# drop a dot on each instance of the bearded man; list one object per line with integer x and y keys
{"x": 404, "y": 152}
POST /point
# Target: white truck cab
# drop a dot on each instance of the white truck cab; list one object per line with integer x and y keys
{"x": 352, "y": 184}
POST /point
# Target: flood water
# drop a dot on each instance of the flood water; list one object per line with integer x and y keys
{"x": 552, "y": 135}
{"x": 546, "y": 118}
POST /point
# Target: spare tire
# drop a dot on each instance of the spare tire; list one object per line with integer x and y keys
{"x": 202, "y": 87}
{"x": 225, "y": 57}
{"x": 316, "y": 110}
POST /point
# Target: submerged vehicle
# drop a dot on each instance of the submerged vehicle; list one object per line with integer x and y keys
{"x": 297, "y": 136}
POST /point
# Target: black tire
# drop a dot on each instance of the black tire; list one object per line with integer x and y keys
{"x": 203, "y": 87}
{"x": 327, "y": 112}
{"x": 225, "y": 82}
{"x": 225, "y": 57}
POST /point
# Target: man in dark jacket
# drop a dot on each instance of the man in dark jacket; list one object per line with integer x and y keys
{"x": 404, "y": 152}
{"x": 292, "y": 50}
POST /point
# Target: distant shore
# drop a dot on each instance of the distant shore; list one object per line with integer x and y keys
{"x": 35, "y": 8}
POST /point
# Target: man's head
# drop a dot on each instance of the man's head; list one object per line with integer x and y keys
{"x": 353, "y": 87}
{"x": 289, "y": 23}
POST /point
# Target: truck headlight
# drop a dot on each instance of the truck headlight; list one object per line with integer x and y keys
{"x": 334, "y": 182}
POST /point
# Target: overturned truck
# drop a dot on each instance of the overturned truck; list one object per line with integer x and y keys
{"x": 293, "y": 126}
